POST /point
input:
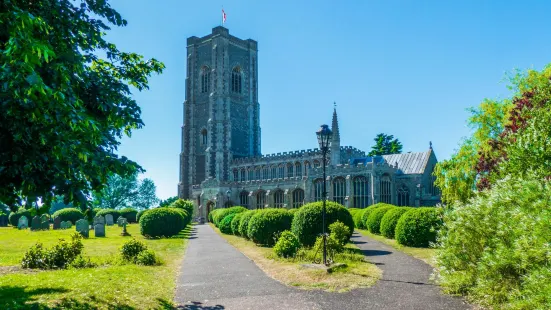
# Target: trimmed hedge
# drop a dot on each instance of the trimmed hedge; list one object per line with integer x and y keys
{"x": 225, "y": 212}
{"x": 265, "y": 226}
{"x": 307, "y": 222}
{"x": 14, "y": 217}
{"x": 389, "y": 221}
{"x": 186, "y": 205}
{"x": 357, "y": 217}
{"x": 162, "y": 222}
{"x": 374, "y": 220}
{"x": 225, "y": 224}
{"x": 368, "y": 210}
{"x": 244, "y": 223}
{"x": 69, "y": 214}
{"x": 418, "y": 227}
{"x": 129, "y": 214}
{"x": 140, "y": 214}
{"x": 235, "y": 223}
{"x": 113, "y": 212}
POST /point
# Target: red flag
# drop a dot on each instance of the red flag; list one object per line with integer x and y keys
{"x": 223, "y": 16}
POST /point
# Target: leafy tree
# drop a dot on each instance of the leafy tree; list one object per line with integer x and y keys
{"x": 384, "y": 144}
{"x": 168, "y": 201}
{"x": 63, "y": 108}
{"x": 122, "y": 192}
{"x": 58, "y": 204}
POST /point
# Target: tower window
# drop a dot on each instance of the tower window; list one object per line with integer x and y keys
{"x": 204, "y": 137}
{"x": 205, "y": 79}
{"x": 236, "y": 80}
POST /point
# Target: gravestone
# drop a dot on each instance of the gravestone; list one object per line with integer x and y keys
{"x": 121, "y": 220}
{"x": 57, "y": 223}
{"x": 99, "y": 220}
{"x": 23, "y": 222}
{"x": 109, "y": 220}
{"x": 83, "y": 228}
{"x": 123, "y": 224}
{"x": 62, "y": 225}
{"x": 45, "y": 222}
{"x": 3, "y": 220}
{"x": 35, "y": 223}
{"x": 99, "y": 230}
{"x": 69, "y": 224}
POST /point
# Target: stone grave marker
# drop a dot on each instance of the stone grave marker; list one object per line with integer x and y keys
{"x": 23, "y": 222}
{"x": 57, "y": 223}
{"x": 123, "y": 224}
{"x": 35, "y": 223}
{"x": 99, "y": 220}
{"x": 99, "y": 230}
{"x": 69, "y": 224}
{"x": 62, "y": 225}
{"x": 109, "y": 219}
{"x": 83, "y": 228}
{"x": 120, "y": 220}
{"x": 3, "y": 220}
{"x": 45, "y": 222}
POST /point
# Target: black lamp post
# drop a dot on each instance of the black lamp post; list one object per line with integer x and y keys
{"x": 324, "y": 139}
{"x": 228, "y": 195}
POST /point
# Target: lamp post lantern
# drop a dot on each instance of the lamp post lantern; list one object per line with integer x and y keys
{"x": 228, "y": 196}
{"x": 324, "y": 135}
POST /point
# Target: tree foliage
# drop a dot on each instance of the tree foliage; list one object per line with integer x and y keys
{"x": 63, "y": 108}
{"x": 385, "y": 144}
{"x": 167, "y": 202}
{"x": 126, "y": 192}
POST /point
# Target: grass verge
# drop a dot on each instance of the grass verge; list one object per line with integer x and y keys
{"x": 424, "y": 254}
{"x": 357, "y": 274}
{"x": 112, "y": 285}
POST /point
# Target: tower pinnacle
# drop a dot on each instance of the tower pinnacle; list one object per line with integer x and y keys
{"x": 335, "y": 124}
{"x": 335, "y": 139}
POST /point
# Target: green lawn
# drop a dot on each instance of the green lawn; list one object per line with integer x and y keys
{"x": 424, "y": 254}
{"x": 113, "y": 285}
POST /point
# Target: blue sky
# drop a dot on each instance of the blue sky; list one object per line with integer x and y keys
{"x": 407, "y": 68}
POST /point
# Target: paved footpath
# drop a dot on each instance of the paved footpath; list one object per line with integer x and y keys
{"x": 217, "y": 276}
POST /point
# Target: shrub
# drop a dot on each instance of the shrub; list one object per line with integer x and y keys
{"x": 131, "y": 248}
{"x": 219, "y": 215}
{"x": 293, "y": 211}
{"x": 130, "y": 214}
{"x": 374, "y": 220}
{"x": 209, "y": 217}
{"x": 187, "y": 216}
{"x": 333, "y": 246}
{"x": 368, "y": 210}
{"x": 80, "y": 262}
{"x": 140, "y": 214}
{"x": 495, "y": 247}
{"x": 69, "y": 214}
{"x": 340, "y": 233}
{"x": 307, "y": 222}
{"x": 357, "y": 217}
{"x": 104, "y": 212}
{"x": 287, "y": 245}
{"x": 186, "y": 205}
{"x": 60, "y": 256}
{"x": 266, "y": 225}
{"x": 235, "y": 223}
{"x": 162, "y": 222}
{"x": 244, "y": 224}
{"x": 147, "y": 258}
{"x": 418, "y": 227}
{"x": 15, "y": 216}
{"x": 389, "y": 221}
{"x": 225, "y": 224}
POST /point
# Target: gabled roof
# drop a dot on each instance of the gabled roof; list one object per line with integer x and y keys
{"x": 409, "y": 163}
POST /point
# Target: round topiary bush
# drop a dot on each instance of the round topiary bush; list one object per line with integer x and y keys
{"x": 374, "y": 220}
{"x": 224, "y": 212}
{"x": 244, "y": 223}
{"x": 130, "y": 215}
{"x": 104, "y": 212}
{"x": 357, "y": 217}
{"x": 131, "y": 248}
{"x": 140, "y": 214}
{"x": 287, "y": 245}
{"x": 147, "y": 258}
{"x": 266, "y": 225}
{"x": 14, "y": 217}
{"x": 418, "y": 227}
{"x": 389, "y": 221}
{"x": 368, "y": 210}
{"x": 162, "y": 222}
{"x": 307, "y": 222}
{"x": 186, "y": 205}
{"x": 225, "y": 224}
{"x": 235, "y": 223}
{"x": 69, "y": 214}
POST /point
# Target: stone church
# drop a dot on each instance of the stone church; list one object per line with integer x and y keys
{"x": 221, "y": 163}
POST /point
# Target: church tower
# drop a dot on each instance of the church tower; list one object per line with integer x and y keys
{"x": 221, "y": 109}
{"x": 335, "y": 139}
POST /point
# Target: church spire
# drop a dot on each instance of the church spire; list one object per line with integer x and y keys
{"x": 336, "y": 139}
{"x": 335, "y": 124}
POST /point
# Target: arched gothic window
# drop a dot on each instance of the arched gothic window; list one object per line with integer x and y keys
{"x": 204, "y": 137}
{"x": 386, "y": 195}
{"x": 289, "y": 170}
{"x": 235, "y": 175}
{"x": 281, "y": 171}
{"x": 250, "y": 174}
{"x": 298, "y": 169}
{"x": 236, "y": 80}
{"x": 317, "y": 163}
{"x": 361, "y": 192}
{"x": 403, "y": 196}
{"x": 298, "y": 198}
{"x": 306, "y": 167}
{"x": 260, "y": 199}
{"x": 278, "y": 199}
{"x": 339, "y": 190}
{"x": 273, "y": 175}
{"x": 318, "y": 189}
{"x": 205, "y": 79}
{"x": 244, "y": 199}
{"x": 257, "y": 173}
{"x": 265, "y": 173}
{"x": 243, "y": 173}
